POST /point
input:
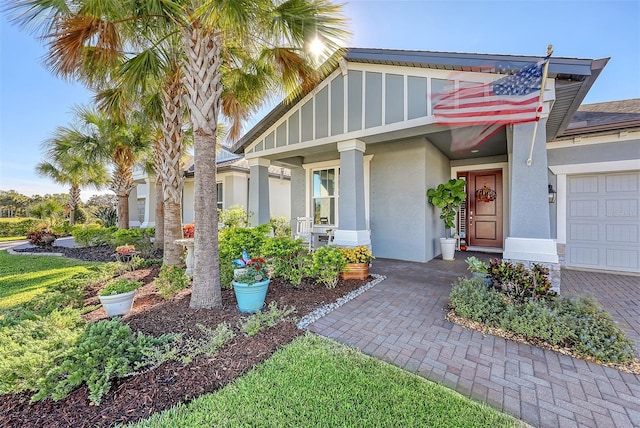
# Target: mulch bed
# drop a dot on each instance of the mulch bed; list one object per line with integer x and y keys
{"x": 139, "y": 396}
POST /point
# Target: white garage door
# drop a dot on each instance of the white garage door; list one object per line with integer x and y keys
{"x": 603, "y": 226}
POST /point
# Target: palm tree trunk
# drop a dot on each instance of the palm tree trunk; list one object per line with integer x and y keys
{"x": 171, "y": 168}
{"x": 74, "y": 199}
{"x": 159, "y": 236}
{"x": 121, "y": 184}
{"x": 123, "y": 212}
{"x": 204, "y": 88}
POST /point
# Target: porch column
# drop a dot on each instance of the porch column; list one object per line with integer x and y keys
{"x": 133, "y": 207}
{"x": 150, "y": 203}
{"x": 258, "y": 191}
{"x": 352, "y": 227}
{"x": 529, "y": 239}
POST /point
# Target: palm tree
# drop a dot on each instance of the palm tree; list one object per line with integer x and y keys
{"x": 98, "y": 139}
{"x": 76, "y": 172}
{"x": 236, "y": 52}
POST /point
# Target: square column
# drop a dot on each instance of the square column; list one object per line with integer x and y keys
{"x": 133, "y": 207}
{"x": 529, "y": 238}
{"x": 150, "y": 203}
{"x": 259, "y": 191}
{"x": 352, "y": 228}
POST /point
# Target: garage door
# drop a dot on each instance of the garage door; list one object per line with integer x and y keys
{"x": 603, "y": 226}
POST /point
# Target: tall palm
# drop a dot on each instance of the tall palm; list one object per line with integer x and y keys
{"x": 248, "y": 46}
{"x": 75, "y": 172}
{"x": 97, "y": 138}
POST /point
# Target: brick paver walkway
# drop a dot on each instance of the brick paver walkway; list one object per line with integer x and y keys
{"x": 401, "y": 321}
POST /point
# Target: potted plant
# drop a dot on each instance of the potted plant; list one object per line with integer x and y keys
{"x": 124, "y": 253}
{"x": 448, "y": 197}
{"x": 358, "y": 260}
{"x": 117, "y": 297}
{"x": 478, "y": 269}
{"x": 250, "y": 283}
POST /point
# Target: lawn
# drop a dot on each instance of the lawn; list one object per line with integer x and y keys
{"x": 318, "y": 382}
{"x": 24, "y": 277}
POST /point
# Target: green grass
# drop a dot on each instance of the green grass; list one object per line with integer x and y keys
{"x": 24, "y": 277}
{"x": 13, "y": 219}
{"x": 317, "y": 382}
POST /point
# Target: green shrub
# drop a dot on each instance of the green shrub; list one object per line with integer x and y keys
{"x": 209, "y": 343}
{"x": 535, "y": 319}
{"x": 518, "y": 282}
{"x": 280, "y": 226}
{"x": 287, "y": 257}
{"x": 231, "y": 243}
{"x": 328, "y": 262}
{"x": 93, "y": 235}
{"x": 120, "y": 286}
{"x": 16, "y": 228}
{"x": 268, "y": 318}
{"x": 471, "y": 299}
{"x": 171, "y": 280}
{"x": 32, "y": 347}
{"x": 41, "y": 235}
{"x": 108, "y": 216}
{"x": 234, "y": 216}
{"x": 105, "y": 350}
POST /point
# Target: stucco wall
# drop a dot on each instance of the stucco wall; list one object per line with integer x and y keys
{"x": 280, "y": 197}
{"x": 188, "y": 214}
{"x": 606, "y": 152}
{"x": 403, "y": 226}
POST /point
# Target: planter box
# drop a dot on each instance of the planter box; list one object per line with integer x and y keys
{"x": 355, "y": 271}
{"x": 118, "y": 304}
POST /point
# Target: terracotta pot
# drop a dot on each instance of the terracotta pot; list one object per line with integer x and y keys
{"x": 355, "y": 271}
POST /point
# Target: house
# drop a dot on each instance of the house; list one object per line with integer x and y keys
{"x": 594, "y": 165}
{"x": 363, "y": 147}
{"x": 232, "y": 186}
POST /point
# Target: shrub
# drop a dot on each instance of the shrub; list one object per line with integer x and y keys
{"x": 232, "y": 241}
{"x": 16, "y": 228}
{"x": 269, "y": 318}
{"x": 287, "y": 257}
{"x": 328, "y": 262}
{"x": 212, "y": 340}
{"x": 32, "y": 347}
{"x": 188, "y": 230}
{"x": 93, "y": 235}
{"x": 359, "y": 254}
{"x": 108, "y": 216}
{"x": 105, "y": 350}
{"x": 234, "y": 216}
{"x": 535, "y": 319}
{"x": 120, "y": 286}
{"x": 40, "y": 235}
{"x": 471, "y": 299}
{"x": 280, "y": 226}
{"x": 171, "y": 280}
{"x": 136, "y": 237}
{"x": 518, "y": 282}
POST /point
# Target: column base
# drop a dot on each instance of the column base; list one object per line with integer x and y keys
{"x": 533, "y": 250}
{"x": 352, "y": 238}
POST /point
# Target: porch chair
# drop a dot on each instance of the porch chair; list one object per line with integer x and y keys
{"x": 303, "y": 230}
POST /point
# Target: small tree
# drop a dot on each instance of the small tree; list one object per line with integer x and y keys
{"x": 448, "y": 197}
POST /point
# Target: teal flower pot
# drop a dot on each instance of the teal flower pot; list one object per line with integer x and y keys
{"x": 250, "y": 297}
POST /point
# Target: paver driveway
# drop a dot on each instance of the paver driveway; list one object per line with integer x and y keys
{"x": 401, "y": 321}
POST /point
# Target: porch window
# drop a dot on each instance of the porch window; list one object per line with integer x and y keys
{"x": 220, "y": 196}
{"x": 325, "y": 187}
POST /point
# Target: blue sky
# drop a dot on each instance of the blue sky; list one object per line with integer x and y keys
{"x": 33, "y": 102}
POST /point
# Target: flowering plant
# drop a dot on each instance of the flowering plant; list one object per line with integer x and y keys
{"x": 251, "y": 271}
{"x": 124, "y": 250}
{"x": 360, "y": 254}
{"x": 188, "y": 230}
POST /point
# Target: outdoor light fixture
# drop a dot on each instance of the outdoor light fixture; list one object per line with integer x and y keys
{"x": 552, "y": 194}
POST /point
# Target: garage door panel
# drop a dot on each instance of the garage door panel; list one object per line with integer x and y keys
{"x": 603, "y": 225}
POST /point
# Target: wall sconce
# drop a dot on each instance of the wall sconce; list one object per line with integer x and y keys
{"x": 552, "y": 194}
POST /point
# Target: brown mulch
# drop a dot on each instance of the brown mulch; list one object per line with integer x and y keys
{"x": 139, "y": 396}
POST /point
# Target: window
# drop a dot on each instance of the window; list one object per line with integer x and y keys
{"x": 325, "y": 186}
{"x": 219, "y": 195}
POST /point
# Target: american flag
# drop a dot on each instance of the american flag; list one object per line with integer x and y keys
{"x": 477, "y": 112}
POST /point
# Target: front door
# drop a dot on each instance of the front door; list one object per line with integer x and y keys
{"x": 484, "y": 208}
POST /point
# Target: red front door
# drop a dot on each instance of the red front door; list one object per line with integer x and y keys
{"x": 484, "y": 208}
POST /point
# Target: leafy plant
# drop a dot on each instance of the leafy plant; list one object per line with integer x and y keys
{"x": 253, "y": 272}
{"x": 105, "y": 350}
{"x": 519, "y": 282}
{"x": 188, "y": 230}
{"x": 93, "y": 235}
{"x": 120, "y": 286}
{"x": 41, "y": 235}
{"x": 232, "y": 241}
{"x": 287, "y": 257}
{"x": 328, "y": 262}
{"x": 359, "y": 254}
{"x": 209, "y": 343}
{"x": 448, "y": 197}
{"x": 471, "y": 299}
{"x": 269, "y": 318}
{"x": 280, "y": 226}
{"x": 108, "y": 216}
{"x": 234, "y": 216}
{"x": 476, "y": 265}
{"x": 171, "y": 280}
{"x": 16, "y": 228}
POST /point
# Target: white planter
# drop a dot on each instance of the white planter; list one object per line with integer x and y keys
{"x": 189, "y": 243}
{"x": 118, "y": 304}
{"x": 448, "y": 248}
